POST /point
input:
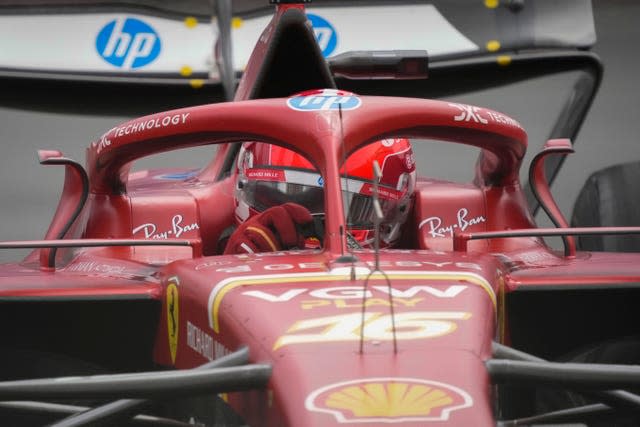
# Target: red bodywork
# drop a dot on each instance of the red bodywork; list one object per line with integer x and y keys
{"x": 405, "y": 343}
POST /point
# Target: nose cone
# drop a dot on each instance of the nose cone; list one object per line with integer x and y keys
{"x": 357, "y": 346}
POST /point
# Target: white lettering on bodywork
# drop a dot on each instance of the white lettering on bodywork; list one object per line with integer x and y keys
{"x": 177, "y": 229}
{"x": 97, "y": 267}
{"x": 437, "y": 229}
{"x": 356, "y": 292}
{"x": 138, "y": 126}
{"x": 200, "y": 341}
{"x": 468, "y": 113}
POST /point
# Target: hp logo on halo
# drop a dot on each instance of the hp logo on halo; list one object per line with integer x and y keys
{"x": 325, "y": 100}
{"x": 128, "y": 43}
{"x": 325, "y": 34}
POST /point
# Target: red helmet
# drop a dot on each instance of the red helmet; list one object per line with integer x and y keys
{"x": 269, "y": 175}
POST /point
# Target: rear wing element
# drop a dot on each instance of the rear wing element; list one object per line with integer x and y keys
{"x": 132, "y": 41}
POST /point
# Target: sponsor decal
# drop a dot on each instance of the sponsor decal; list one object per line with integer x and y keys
{"x": 388, "y": 400}
{"x": 353, "y": 296}
{"x": 178, "y": 228}
{"x": 199, "y": 341}
{"x": 266, "y": 174}
{"x": 178, "y": 176}
{"x": 388, "y": 142}
{"x": 246, "y": 267}
{"x": 172, "y": 316}
{"x": 325, "y": 33}
{"x": 374, "y": 326}
{"x": 104, "y": 142}
{"x": 532, "y": 257}
{"x": 211, "y": 264}
{"x": 223, "y": 287}
{"x": 500, "y": 118}
{"x": 369, "y": 302}
{"x": 131, "y": 128}
{"x": 204, "y": 344}
{"x": 468, "y": 113}
{"x": 103, "y": 269}
{"x": 94, "y": 267}
{"x": 383, "y": 192}
{"x": 463, "y": 221}
{"x": 128, "y": 43}
{"x": 325, "y": 100}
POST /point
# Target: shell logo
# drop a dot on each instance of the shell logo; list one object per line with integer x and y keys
{"x": 390, "y": 400}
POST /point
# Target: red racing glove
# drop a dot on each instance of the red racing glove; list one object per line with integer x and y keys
{"x": 272, "y": 230}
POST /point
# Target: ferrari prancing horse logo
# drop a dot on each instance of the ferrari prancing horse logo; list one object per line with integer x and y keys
{"x": 172, "y": 316}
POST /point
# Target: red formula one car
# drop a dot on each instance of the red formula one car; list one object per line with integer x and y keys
{"x": 470, "y": 320}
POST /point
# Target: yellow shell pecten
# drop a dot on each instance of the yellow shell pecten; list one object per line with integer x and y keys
{"x": 393, "y": 399}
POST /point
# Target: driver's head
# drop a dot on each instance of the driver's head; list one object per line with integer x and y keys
{"x": 269, "y": 175}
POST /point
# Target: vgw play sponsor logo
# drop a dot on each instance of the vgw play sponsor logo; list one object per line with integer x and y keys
{"x": 128, "y": 43}
{"x": 326, "y": 34}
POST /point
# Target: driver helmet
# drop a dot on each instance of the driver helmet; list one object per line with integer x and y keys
{"x": 269, "y": 175}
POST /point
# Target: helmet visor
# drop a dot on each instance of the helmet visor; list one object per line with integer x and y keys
{"x": 306, "y": 189}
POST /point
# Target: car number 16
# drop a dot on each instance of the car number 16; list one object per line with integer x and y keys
{"x": 377, "y": 327}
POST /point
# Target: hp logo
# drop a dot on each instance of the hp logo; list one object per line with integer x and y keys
{"x": 324, "y": 100}
{"x": 325, "y": 34}
{"x": 128, "y": 43}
